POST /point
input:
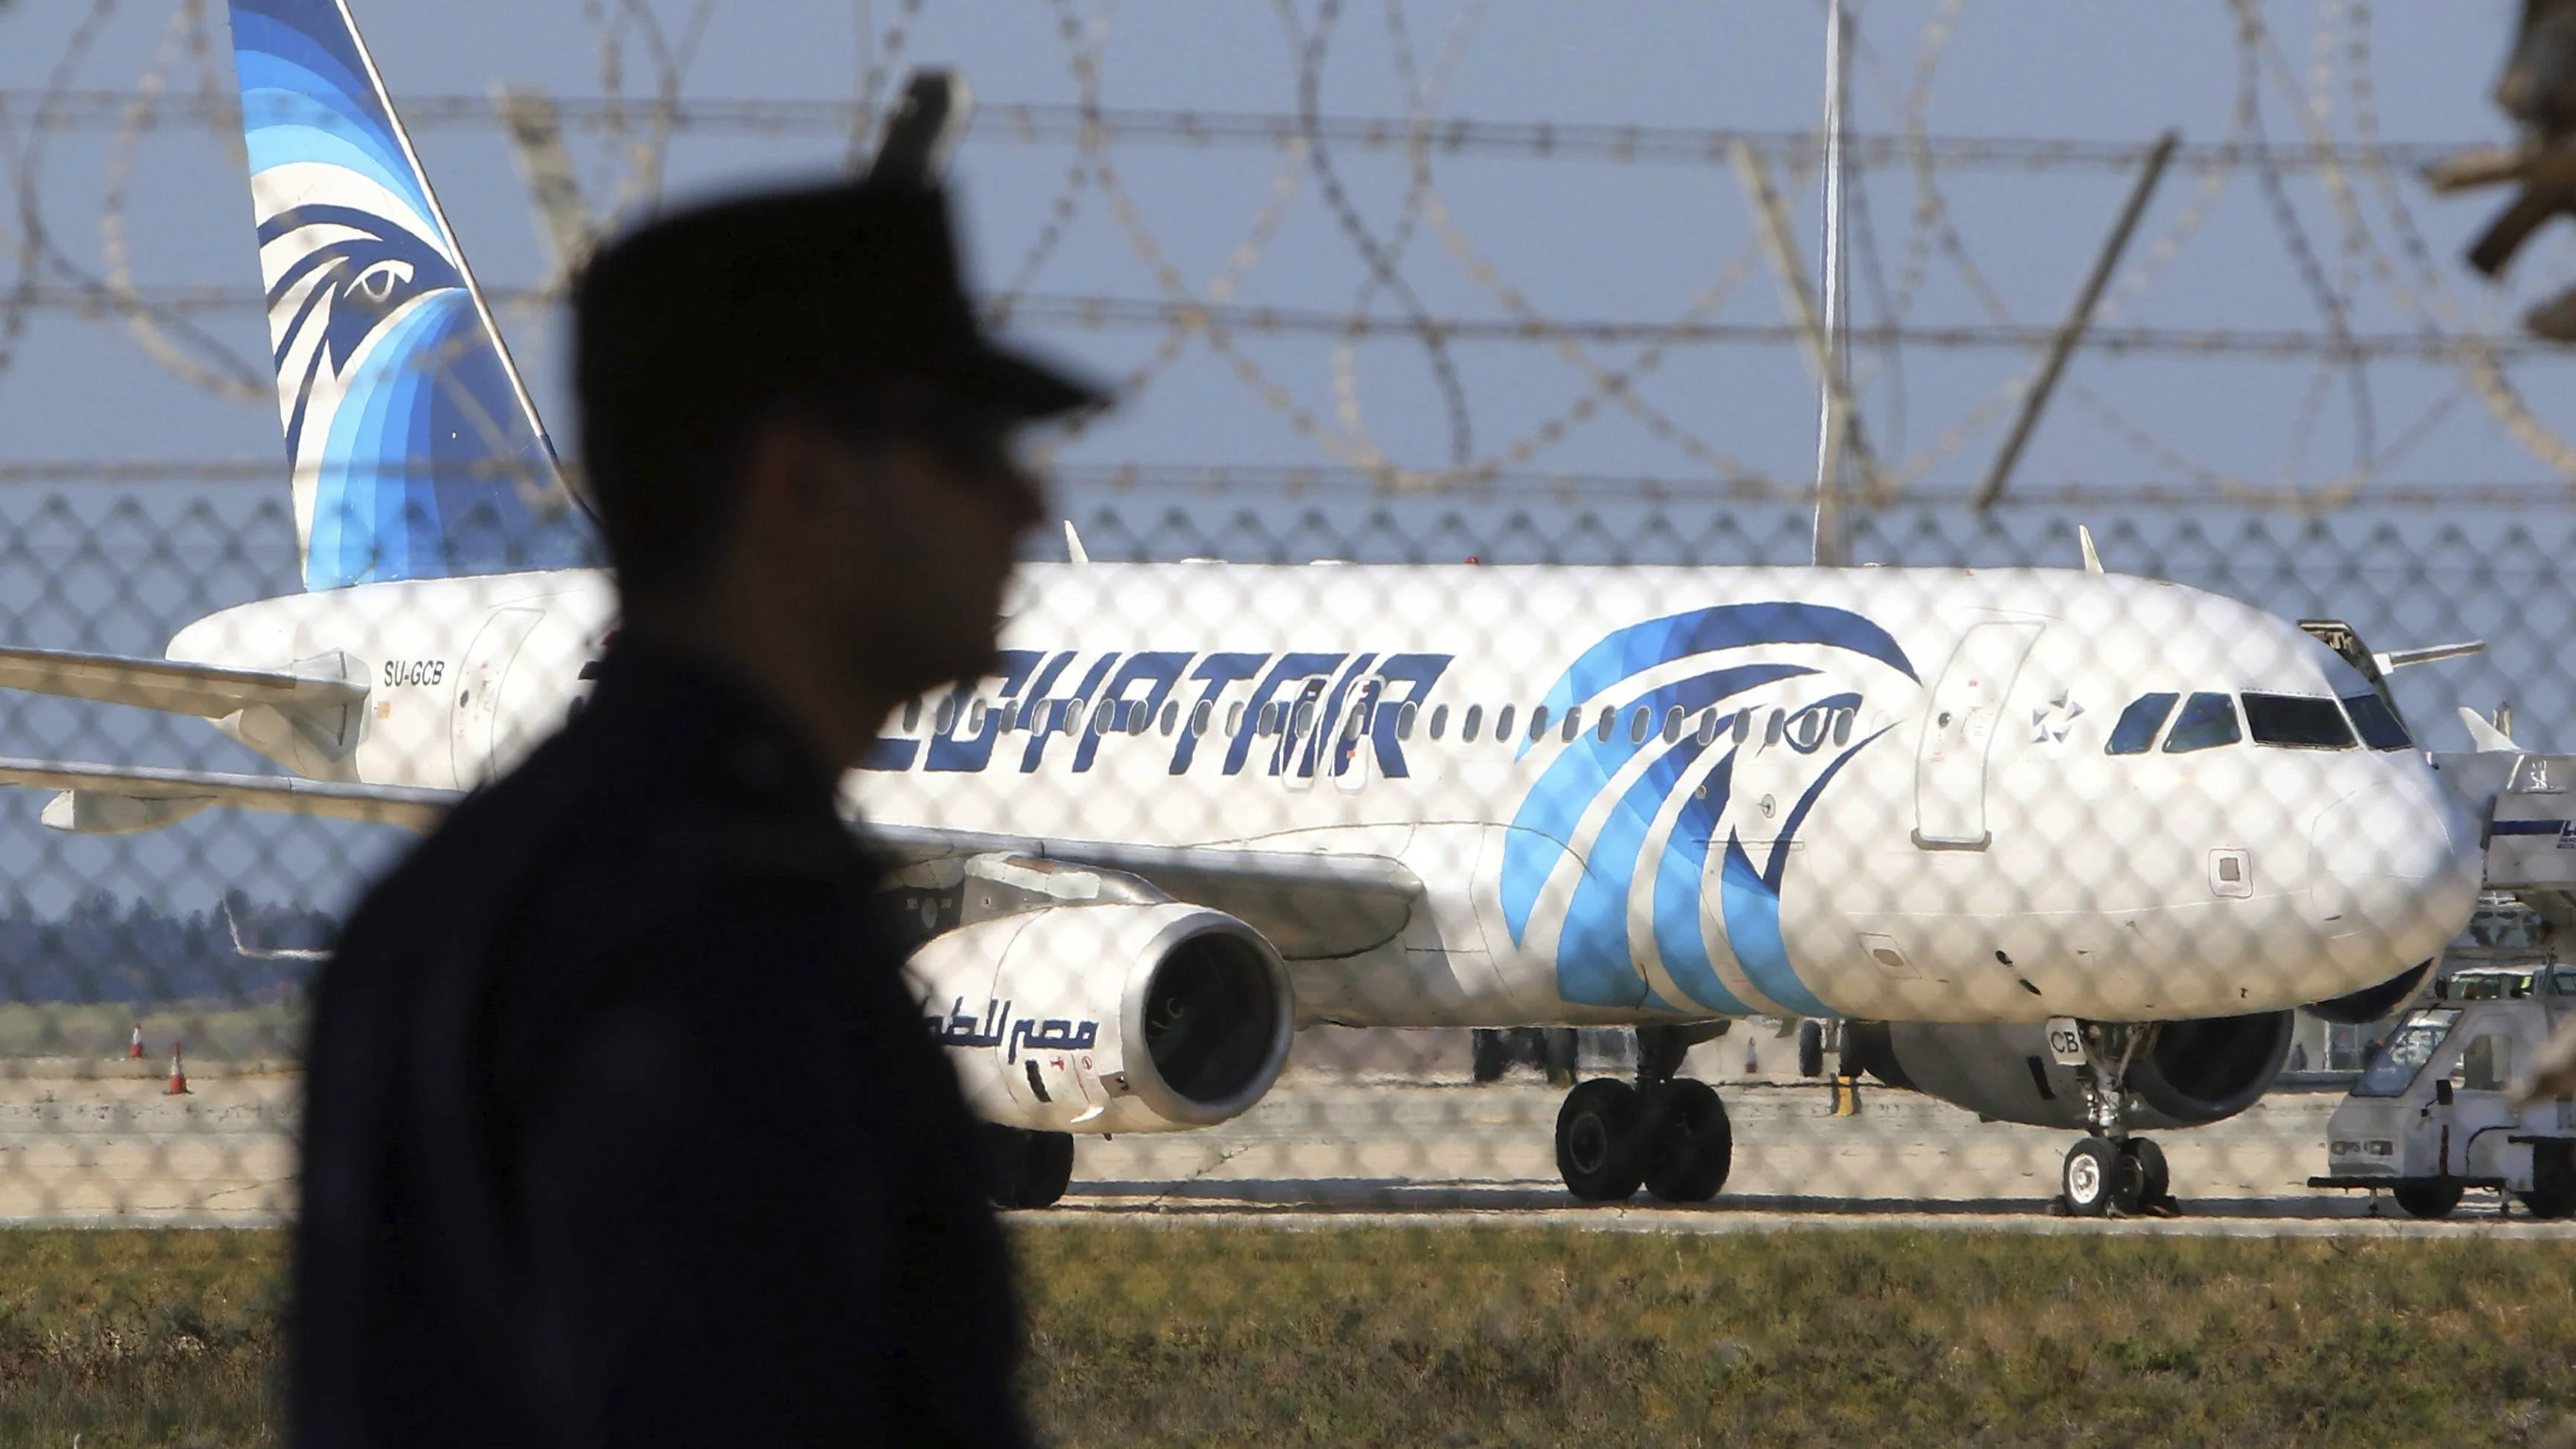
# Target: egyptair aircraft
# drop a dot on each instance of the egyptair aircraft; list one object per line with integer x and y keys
{"x": 2062, "y": 846}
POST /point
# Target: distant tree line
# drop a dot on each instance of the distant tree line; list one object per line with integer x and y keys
{"x": 104, "y": 950}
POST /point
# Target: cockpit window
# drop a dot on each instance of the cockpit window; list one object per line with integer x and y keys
{"x": 2296, "y": 721}
{"x": 2380, "y": 727}
{"x": 2207, "y": 721}
{"x": 2139, "y": 723}
{"x": 2390, "y": 1072}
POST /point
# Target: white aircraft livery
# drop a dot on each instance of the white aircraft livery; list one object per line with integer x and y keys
{"x": 2061, "y": 846}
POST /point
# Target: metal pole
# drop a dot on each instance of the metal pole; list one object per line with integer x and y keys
{"x": 2078, "y": 319}
{"x": 1831, "y": 426}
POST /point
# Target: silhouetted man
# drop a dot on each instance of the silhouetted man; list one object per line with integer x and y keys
{"x": 622, "y": 1127}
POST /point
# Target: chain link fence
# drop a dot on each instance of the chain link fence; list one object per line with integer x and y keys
{"x": 1335, "y": 765}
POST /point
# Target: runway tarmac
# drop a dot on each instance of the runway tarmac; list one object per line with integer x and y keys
{"x": 1326, "y": 1149}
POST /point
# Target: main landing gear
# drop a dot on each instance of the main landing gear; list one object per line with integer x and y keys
{"x": 2112, "y": 1172}
{"x": 1665, "y": 1133}
{"x": 1025, "y": 1169}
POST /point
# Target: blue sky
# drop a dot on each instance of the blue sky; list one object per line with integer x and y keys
{"x": 1581, "y": 240}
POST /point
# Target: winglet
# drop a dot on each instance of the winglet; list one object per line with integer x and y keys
{"x": 2484, "y": 734}
{"x": 1073, "y": 548}
{"x": 2084, "y": 540}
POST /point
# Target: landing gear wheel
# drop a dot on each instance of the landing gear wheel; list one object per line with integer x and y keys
{"x": 1488, "y": 1054}
{"x": 1028, "y": 1169}
{"x": 1598, "y": 1148}
{"x": 2155, "y": 1180}
{"x": 1811, "y": 1048}
{"x": 2553, "y": 1180}
{"x": 1694, "y": 1147}
{"x": 2099, "y": 1178}
{"x": 2429, "y": 1197}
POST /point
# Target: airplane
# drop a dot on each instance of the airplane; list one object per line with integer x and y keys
{"x": 2061, "y": 846}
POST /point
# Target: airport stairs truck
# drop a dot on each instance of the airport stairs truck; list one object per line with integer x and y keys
{"x": 2444, "y": 1103}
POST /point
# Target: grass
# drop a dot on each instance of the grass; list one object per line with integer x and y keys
{"x": 138, "y": 1338}
{"x": 1492, "y": 1336}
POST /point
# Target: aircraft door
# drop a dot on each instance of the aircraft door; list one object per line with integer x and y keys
{"x": 1301, "y": 718}
{"x": 1354, "y": 750}
{"x": 1959, "y": 728}
{"x": 476, "y": 715}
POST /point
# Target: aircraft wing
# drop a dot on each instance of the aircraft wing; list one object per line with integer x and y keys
{"x": 116, "y": 799}
{"x": 170, "y": 685}
{"x": 1311, "y": 905}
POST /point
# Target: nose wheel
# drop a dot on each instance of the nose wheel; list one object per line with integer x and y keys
{"x": 2112, "y": 1173}
{"x": 2102, "y": 1177}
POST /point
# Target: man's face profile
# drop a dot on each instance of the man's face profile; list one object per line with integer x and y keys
{"x": 907, "y": 533}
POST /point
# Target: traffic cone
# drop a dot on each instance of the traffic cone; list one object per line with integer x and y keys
{"x": 134, "y": 1048}
{"x": 178, "y": 1076}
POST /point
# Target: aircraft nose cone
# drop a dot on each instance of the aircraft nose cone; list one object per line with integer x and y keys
{"x": 2396, "y": 868}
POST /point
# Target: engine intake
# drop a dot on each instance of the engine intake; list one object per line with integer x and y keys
{"x": 2185, "y": 1074}
{"x": 1120, "y": 1016}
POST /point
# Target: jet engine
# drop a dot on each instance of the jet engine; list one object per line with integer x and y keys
{"x": 2360, "y": 1008}
{"x": 1121, "y": 1016}
{"x": 2184, "y": 1073}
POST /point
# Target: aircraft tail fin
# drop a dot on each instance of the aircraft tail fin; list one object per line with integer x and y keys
{"x": 414, "y": 448}
{"x": 2486, "y": 734}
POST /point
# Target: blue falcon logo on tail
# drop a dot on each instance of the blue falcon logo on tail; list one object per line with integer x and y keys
{"x": 414, "y": 448}
{"x": 1607, "y": 863}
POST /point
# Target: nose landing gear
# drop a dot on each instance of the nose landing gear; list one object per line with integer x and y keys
{"x": 2112, "y": 1172}
{"x": 1665, "y": 1133}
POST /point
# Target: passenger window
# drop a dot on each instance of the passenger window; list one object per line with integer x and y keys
{"x": 1475, "y": 719}
{"x": 946, "y": 718}
{"x": 1641, "y": 722}
{"x": 2139, "y": 723}
{"x": 2207, "y": 721}
{"x": 1439, "y": 721}
{"x": 1503, "y": 723}
{"x": 1771, "y": 727}
{"x": 1404, "y": 720}
{"x": 1609, "y": 721}
{"x": 1171, "y": 717}
{"x": 1538, "y": 723}
{"x": 1306, "y": 717}
{"x": 2296, "y": 721}
{"x": 1673, "y": 725}
{"x": 1234, "y": 719}
{"x": 1069, "y": 717}
{"x": 1843, "y": 726}
{"x": 1743, "y": 725}
{"x": 1199, "y": 715}
{"x": 1708, "y": 726}
{"x": 2487, "y": 1066}
{"x": 1573, "y": 723}
{"x": 2379, "y": 725}
{"x": 911, "y": 715}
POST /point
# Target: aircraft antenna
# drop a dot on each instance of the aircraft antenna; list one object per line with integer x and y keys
{"x": 1833, "y": 424}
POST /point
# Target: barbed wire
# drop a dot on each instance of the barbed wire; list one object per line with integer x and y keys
{"x": 1293, "y": 481}
{"x": 1124, "y": 314}
{"x": 1186, "y": 313}
{"x": 1058, "y": 123}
